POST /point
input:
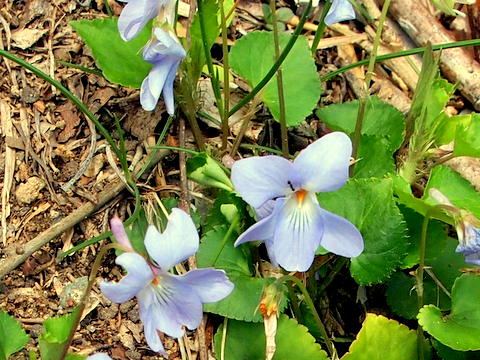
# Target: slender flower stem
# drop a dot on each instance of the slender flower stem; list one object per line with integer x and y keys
{"x": 419, "y": 50}
{"x": 368, "y": 79}
{"x": 309, "y": 302}
{"x": 277, "y": 63}
{"x": 226, "y": 76}
{"x": 84, "y": 300}
{"x": 244, "y": 126}
{"x": 208, "y": 58}
{"x": 293, "y": 300}
{"x": 281, "y": 95}
{"x": 229, "y": 232}
{"x": 341, "y": 262}
{"x": 321, "y": 27}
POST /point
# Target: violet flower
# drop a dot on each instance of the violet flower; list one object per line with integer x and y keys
{"x": 99, "y": 356}
{"x": 167, "y": 302}
{"x": 467, "y": 226}
{"x": 293, "y": 225}
{"x": 340, "y": 10}
{"x": 164, "y": 52}
{"x": 137, "y": 13}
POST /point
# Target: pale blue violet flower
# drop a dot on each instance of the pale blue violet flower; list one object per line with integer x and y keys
{"x": 164, "y": 52}
{"x": 137, "y": 13}
{"x": 292, "y": 223}
{"x": 340, "y": 10}
{"x": 99, "y": 356}
{"x": 167, "y": 302}
{"x": 467, "y": 226}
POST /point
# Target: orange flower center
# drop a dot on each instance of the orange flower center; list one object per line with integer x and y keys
{"x": 300, "y": 194}
{"x": 155, "y": 281}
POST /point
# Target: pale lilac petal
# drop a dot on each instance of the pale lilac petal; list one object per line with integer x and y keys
{"x": 323, "y": 165}
{"x": 168, "y": 89}
{"x": 298, "y": 231}
{"x": 119, "y": 233}
{"x": 266, "y": 209}
{"x": 135, "y": 15}
{"x": 138, "y": 276}
{"x": 341, "y": 10}
{"x": 259, "y": 179}
{"x": 99, "y": 356}
{"x": 152, "y": 85}
{"x": 178, "y": 242}
{"x": 473, "y": 259}
{"x": 210, "y": 285}
{"x": 340, "y": 236}
{"x": 169, "y": 306}
{"x": 261, "y": 230}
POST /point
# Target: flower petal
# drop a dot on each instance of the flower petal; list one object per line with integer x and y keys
{"x": 99, "y": 356}
{"x": 178, "y": 242}
{"x": 473, "y": 259}
{"x": 259, "y": 179}
{"x": 341, "y": 10}
{"x": 210, "y": 285}
{"x": 168, "y": 306}
{"x": 135, "y": 15}
{"x": 261, "y": 230}
{"x": 153, "y": 84}
{"x": 119, "y": 233}
{"x": 168, "y": 89}
{"x": 298, "y": 231}
{"x": 340, "y": 236}
{"x": 138, "y": 276}
{"x": 323, "y": 165}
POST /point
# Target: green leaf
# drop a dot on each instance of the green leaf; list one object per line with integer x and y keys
{"x": 204, "y": 170}
{"x": 381, "y": 120}
{"x": 402, "y": 297}
{"x": 54, "y": 338}
{"x": 12, "y": 337}
{"x": 121, "y": 62}
{"x": 457, "y": 189}
{"x": 252, "y": 57}
{"x": 247, "y": 341}
{"x": 369, "y": 205}
{"x": 467, "y": 138}
{"x": 243, "y": 302}
{"x": 447, "y": 128}
{"x": 374, "y": 158}
{"x": 383, "y": 339}
{"x": 218, "y": 251}
{"x": 459, "y": 330}
{"x": 447, "y": 353}
{"x": 217, "y": 215}
{"x": 436, "y": 237}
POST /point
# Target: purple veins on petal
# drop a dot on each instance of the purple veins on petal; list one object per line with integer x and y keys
{"x": 340, "y": 10}
{"x": 292, "y": 224}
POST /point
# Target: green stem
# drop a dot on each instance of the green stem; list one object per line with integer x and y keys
{"x": 277, "y": 64}
{"x": 419, "y": 279}
{"x": 176, "y": 148}
{"x": 226, "y": 76}
{"x": 81, "y": 106}
{"x": 293, "y": 300}
{"x": 281, "y": 95}
{"x": 107, "y": 7}
{"x": 420, "y": 50}
{"x": 83, "y": 301}
{"x": 368, "y": 79}
{"x": 309, "y": 302}
{"x": 229, "y": 232}
{"x": 341, "y": 262}
{"x": 208, "y": 58}
{"x": 321, "y": 27}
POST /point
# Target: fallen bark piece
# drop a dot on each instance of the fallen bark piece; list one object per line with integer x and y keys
{"x": 457, "y": 64}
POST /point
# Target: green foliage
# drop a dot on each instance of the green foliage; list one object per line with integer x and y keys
{"x": 121, "y": 62}
{"x": 457, "y": 189}
{"x": 382, "y": 120}
{"x": 370, "y": 206}
{"x": 206, "y": 171}
{"x": 459, "y": 330}
{"x": 383, "y": 339}
{"x": 136, "y": 232}
{"x": 252, "y": 57}
{"x": 382, "y": 133}
{"x": 12, "y": 337}
{"x": 447, "y": 353}
{"x": 247, "y": 341}
{"x": 467, "y": 138}
{"x": 53, "y": 340}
